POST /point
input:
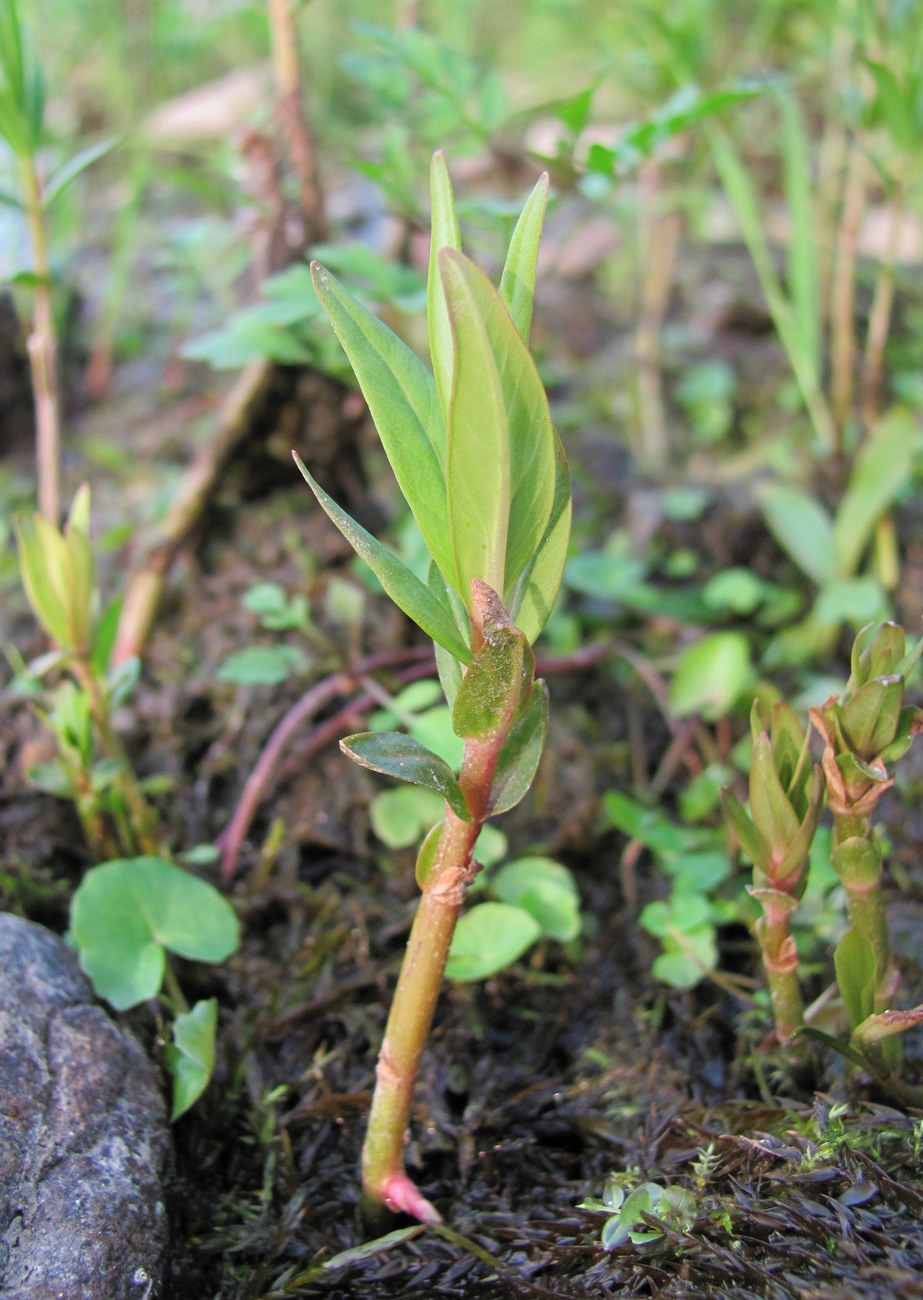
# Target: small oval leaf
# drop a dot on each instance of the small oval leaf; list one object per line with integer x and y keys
{"x": 394, "y": 754}
{"x": 488, "y": 938}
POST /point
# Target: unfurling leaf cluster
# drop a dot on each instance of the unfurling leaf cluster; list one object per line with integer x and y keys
{"x": 471, "y": 441}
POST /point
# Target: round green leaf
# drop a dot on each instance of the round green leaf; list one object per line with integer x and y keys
{"x": 488, "y": 938}
{"x": 127, "y": 912}
{"x": 546, "y": 890}
{"x": 399, "y": 816}
{"x": 711, "y": 675}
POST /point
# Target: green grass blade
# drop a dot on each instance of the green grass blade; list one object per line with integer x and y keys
{"x": 517, "y": 283}
{"x": 802, "y": 249}
{"x": 403, "y": 586}
{"x": 743, "y": 199}
{"x": 802, "y": 528}
{"x": 883, "y": 468}
{"x": 401, "y": 395}
{"x": 445, "y": 234}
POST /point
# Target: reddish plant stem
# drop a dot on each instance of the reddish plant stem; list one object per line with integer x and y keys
{"x": 42, "y": 346}
{"x": 234, "y": 834}
{"x": 322, "y": 693}
{"x": 842, "y": 307}
{"x": 384, "y": 1179}
{"x": 873, "y": 367}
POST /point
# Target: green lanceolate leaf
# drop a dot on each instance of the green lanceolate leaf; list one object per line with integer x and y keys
{"x": 751, "y": 841}
{"x": 870, "y": 718}
{"x": 856, "y": 974}
{"x": 73, "y": 167}
{"x": 770, "y": 808}
{"x": 520, "y": 756}
{"x": 403, "y": 402}
{"x": 537, "y": 588}
{"x": 191, "y": 1056}
{"x": 501, "y": 464}
{"x": 23, "y": 86}
{"x": 394, "y": 754}
{"x": 43, "y": 564}
{"x": 489, "y": 694}
{"x": 404, "y": 587}
{"x": 445, "y": 234}
{"x": 517, "y": 283}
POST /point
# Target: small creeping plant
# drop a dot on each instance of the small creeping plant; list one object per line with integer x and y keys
{"x": 476, "y": 456}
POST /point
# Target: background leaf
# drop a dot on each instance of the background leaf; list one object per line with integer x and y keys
{"x": 803, "y": 529}
{"x": 711, "y": 675}
{"x": 883, "y": 468}
{"x": 488, "y": 938}
{"x": 546, "y": 890}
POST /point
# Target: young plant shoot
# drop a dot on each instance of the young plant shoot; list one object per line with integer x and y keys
{"x": 786, "y": 801}
{"x": 476, "y": 456}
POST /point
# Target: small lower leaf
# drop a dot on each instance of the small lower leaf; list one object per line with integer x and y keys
{"x": 191, "y": 1056}
{"x": 394, "y": 754}
{"x": 546, "y": 890}
{"x": 874, "y": 1029}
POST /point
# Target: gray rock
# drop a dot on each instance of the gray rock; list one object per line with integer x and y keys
{"x": 84, "y": 1143}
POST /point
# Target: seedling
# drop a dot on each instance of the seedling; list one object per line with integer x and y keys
{"x": 128, "y": 913}
{"x": 865, "y": 730}
{"x": 125, "y": 917}
{"x": 786, "y": 800}
{"x": 59, "y": 575}
{"x": 476, "y": 456}
{"x": 630, "y": 1212}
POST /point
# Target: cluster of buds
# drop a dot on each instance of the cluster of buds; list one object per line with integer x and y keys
{"x": 786, "y": 800}
{"x": 868, "y": 726}
{"x": 864, "y": 730}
